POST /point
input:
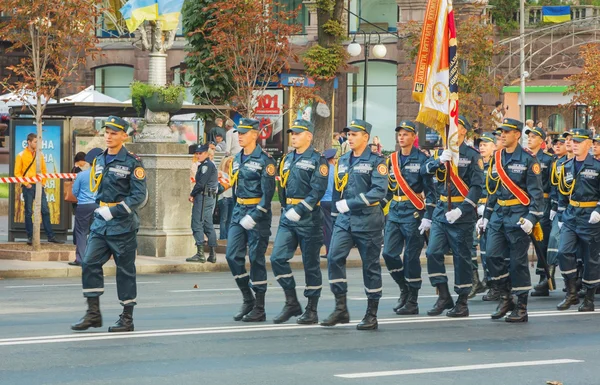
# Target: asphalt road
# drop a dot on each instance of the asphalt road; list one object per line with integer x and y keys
{"x": 187, "y": 336}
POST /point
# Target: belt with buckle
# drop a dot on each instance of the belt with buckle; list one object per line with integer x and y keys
{"x": 248, "y": 201}
{"x": 444, "y": 198}
{"x": 508, "y": 202}
{"x": 296, "y": 201}
{"x": 546, "y": 195}
{"x": 109, "y": 204}
{"x": 585, "y": 205}
{"x": 401, "y": 198}
{"x": 482, "y": 201}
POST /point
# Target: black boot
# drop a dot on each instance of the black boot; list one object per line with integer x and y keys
{"x": 310, "y": 315}
{"x": 588, "y": 301}
{"x": 542, "y": 289}
{"x": 478, "y": 286}
{"x": 506, "y": 304}
{"x": 369, "y": 322}
{"x": 443, "y": 302}
{"x": 519, "y": 313}
{"x": 460, "y": 309}
{"x": 212, "y": 254}
{"x": 411, "y": 307}
{"x": 199, "y": 256}
{"x": 340, "y": 314}
{"x": 92, "y": 317}
{"x": 125, "y": 321}
{"x": 247, "y": 305}
{"x": 571, "y": 297}
{"x": 257, "y": 314}
{"x": 403, "y": 294}
{"x": 291, "y": 308}
{"x": 492, "y": 295}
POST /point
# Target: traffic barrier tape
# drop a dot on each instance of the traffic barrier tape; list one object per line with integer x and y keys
{"x": 37, "y": 178}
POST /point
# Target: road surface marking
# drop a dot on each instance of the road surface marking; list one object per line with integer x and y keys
{"x": 457, "y": 368}
{"x": 67, "y": 285}
{"x": 78, "y": 337}
{"x": 192, "y": 290}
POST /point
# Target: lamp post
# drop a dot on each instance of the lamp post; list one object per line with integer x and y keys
{"x": 379, "y": 51}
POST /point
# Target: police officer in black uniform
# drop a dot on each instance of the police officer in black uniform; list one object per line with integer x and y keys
{"x": 412, "y": 197}
{"x": 119, "y": 178}
{"x": 252, "y": 177}
{"x": 304, "y": 173}
{"x": 516, "y": 186}
{"x": 361, "y": 182}
{"x": 203, "y": 197}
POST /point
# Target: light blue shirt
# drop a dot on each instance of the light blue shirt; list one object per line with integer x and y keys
{"x": 329, "y": 191}
{"x": 81, "y": 189}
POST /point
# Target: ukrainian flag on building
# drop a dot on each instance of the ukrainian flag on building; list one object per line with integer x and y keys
{"x": 135, "y": 12}
{"x": 556, "y": 14}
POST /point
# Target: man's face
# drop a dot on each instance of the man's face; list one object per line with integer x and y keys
{"x": 596, "y": 149}
{"x": 462, "y": 132}
{"x": 218, "y": 139}
{"x": 581, "y": 149}
{"x": 499, "y": 107}
{"x": 529, "y": 124}
{"x": 405, "y": 138}
{"x": 534, "y": 141}
{"x": 32, "y": 144}
{"x": 569, "y": 143}
{"x": 486, "y": 148}
{"x": 248, "y": 138}
{"x": 559, "y": 148}
{"x": 301, "y": 139}
{"x": 509, "y": 138}
{"x": 343, "y": 134}
{"x": 219, "y": 122}
{"x": 358, "y": 140}
{"x": 114, "y": 138}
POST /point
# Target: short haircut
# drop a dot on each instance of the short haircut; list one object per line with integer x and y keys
{"x": 498, "y": 103}
{"x": 31, "y": 137}
{"x": 229, "y": 123}
{"x": 217, "y": 120}
{"x": 219, "y": 135}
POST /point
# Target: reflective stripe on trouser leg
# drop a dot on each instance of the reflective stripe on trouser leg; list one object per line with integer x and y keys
{"x": 474, "y": 250}
{"x": 552, "y": 255}
{"x": 460, "y": 238}
{"x": 123, "y": 248}
{"x": 496, "y": 245}
{"x": 310, "y": 245}
{"x": 520, "y": 278}
{"x": 412, "y": 253}
{"x": 392, "y": 249}
{"x": 369, "y": 248}
{"x": 97, "y": 253}
{"x": 438, "y": 244}
{"x": 284, "y": 247}
{"x": 235, "y": 254}
{"x": 258, "y": 241}
{"x": 590, "y": 251}
{"x": 341, "y": 243}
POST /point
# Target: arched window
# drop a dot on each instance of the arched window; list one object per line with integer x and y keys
{"x": 382, "y": 86}
{"x": 556, "y": 123}
{"x": 114, "y": 81}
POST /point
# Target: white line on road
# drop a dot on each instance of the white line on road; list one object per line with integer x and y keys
{"x": 68, "y": 285}
{"x": 79, "y": 337}
{"x": 396, "y": 297}
{"x": 191, "y": 290}
{"x": 457, "y": 368}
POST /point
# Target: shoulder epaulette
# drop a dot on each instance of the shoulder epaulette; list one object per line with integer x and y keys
{"x": 548, "y": 153}
{"x": 135, "y": 156}
{"x": 267, "y": 154}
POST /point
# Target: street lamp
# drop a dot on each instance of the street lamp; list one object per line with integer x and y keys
{"x": 379, "y": 51}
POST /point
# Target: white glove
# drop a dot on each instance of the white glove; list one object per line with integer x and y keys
{"x": 446, "y": 156}
{"x": 247, "y": 222}
{"x": 342, "y": 206}
{"x": 552, "y": 214}
{"x": 594, "y": 218}
{"x": 480, "y": 210}
{"x": 453, "y": 215}
{"x": 425, "y": 225}
{"x": 526, "y": 225}
{"x": 560, "y": 225}
{"x": 292, "y": 215}
{"x": 482, "y": 225}
{"x": 105, "y": 213}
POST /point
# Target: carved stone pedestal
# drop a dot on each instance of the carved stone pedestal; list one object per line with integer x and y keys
{"x": 165, "y": 229}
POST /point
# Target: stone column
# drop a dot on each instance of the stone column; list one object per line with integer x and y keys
{"x": 157, "y": 69}
{"x": 165, "y": 228}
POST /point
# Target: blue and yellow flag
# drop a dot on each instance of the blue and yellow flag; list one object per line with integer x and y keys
{"x": 556, "y": 14}
{"x": 136, "y": 11}
{"x": 169, "y": 12}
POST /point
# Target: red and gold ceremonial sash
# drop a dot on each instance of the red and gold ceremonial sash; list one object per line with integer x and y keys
{"x": 457, "y": 181}
{"x": 508, "y": 183}
{"x": 414, "y": 198}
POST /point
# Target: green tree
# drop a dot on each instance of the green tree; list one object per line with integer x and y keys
{"x": 586, "y": 84}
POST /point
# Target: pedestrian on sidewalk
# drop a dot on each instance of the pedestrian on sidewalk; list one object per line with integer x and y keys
{"x": 86, "y": 205}
{"x": 119, "y": 178}
{"x": 79, "y": 164}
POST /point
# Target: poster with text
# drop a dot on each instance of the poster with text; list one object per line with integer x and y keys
{"x": 268, "y": 110}
{"x": 51, "y": 148}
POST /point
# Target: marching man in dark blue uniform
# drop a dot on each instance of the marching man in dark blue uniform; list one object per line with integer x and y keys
{"x": 537, "y": 136}
{"x": 454, "y": 228}
{"x": 203, "y": 196}
{"x": 413, "y": 199}
{"x": 120, "y": 180}
{"x": 517, "y": 189}
{"x": 304, "y": 174}
{"x": 361, "y": 182}
{"x": 252, "y": 177}
{"x": 579, "y": 220}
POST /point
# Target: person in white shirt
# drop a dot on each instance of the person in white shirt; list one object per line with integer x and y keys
{"x": 220, "y": 144}
{"x": 497, "y": 114}
{"x": 232, "y": 144}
